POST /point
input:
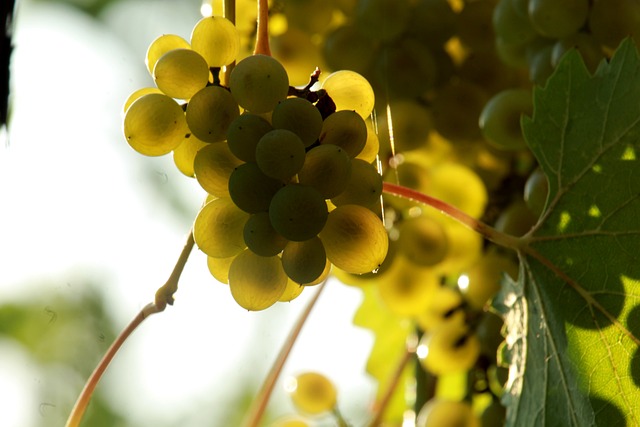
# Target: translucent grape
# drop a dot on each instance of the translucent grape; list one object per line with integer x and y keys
{"x": 423, "y": 241}
{"x": 244, "y": 133}
{"x": 350, "y": 91}
{"x": 327, "y": 169}
{"x": 364, "y": 186}
{"x": 440, "y": 413}
{"x": 210, "y": 112}
{"x": 260, "y": 236}
{"x": 355, "y": 239}
{"x": 291, "y": 292}
{"x": 347, "y": 130}
{"x": 218, "y": 228}
{"x": 219, "y": 268}
{"x": 162, "y": 45}
{"x": 371, "y": 148}
{"x": 312, "y": 393}
{"x": 280, "y": 154}
{"x": 138, "y": 94}
{"x": 256, "y": 282}
{"x": 213, "y": 166}
{"x": 216, "y": 39}
{"x": 459, "y": 186}
{"x": 500, "y": 118}
{"x": 298, "y": 212}
{"x": 154, "y": 125}
{"x": 184, "y": 155}
{"x": 180, "y": 73}
{"x": 251, "y": 190}
{"x": 258, "y": 83}
{"x": 300, "y": 117}
{"x": 304, "y": 261}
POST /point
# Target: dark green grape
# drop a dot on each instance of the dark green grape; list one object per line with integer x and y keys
{"x": 510, "y": 26}
{"x": 300, "y": 117}
{"x": 585, "y": 43}
{"x": 347, "y": 130}
{"x": 536, "y": 190}
{"x": 298, "y": 212}
{"x": 500, "y": 118}
{"x": 250, "y": 189}
{"x": 304, "y": 261}
{"x": 517, "y": 219}
{"x": 210, "y": 112}
{"x": 364, "y": 186}
{"x": 383, "y": 19}
{"x": 558, "y": 19}
{"x": 260, "y": 236}
{"x": 280, "y": 154}
{"x": 244, "y": 133}
{"x": 327, "y": 168}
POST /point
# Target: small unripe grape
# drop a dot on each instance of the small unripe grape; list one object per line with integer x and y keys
{"x": 350, "y": 91}
{"x": 347, "y": 130}
{"x": 312, "y": 393}
{"x": 260, "y": 236}
{"x": 557, "y": 19}
{"x": 326, "y": 168}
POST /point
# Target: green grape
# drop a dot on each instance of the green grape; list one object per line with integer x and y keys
{"x": 154, "y": 125}
{"x": 611, "y": 21}
{"x": 256, "y": 282}
{"x": 346, "y": 48}
{"x": 364, "y": 186}
{"x": 250, "y": 189}
{"x": 438, "y": 412}
{"x": 423, "y": 241}
{"x": 350, "y": 91}
{"x": 516, "y": 220}
{"x": 512, "y": 54}
{"x": 536, "y": 190}
{"x": 300, "y": 117}
{"x": 589, "y": 48}
{"x": 216, "y": 39}
{"x": 213, "y": 166}
{"x": 355, "y": 239}
{"x": 489, "y": 331}
{"x": 180, "y": 73}
{"x": 456, "y": 109}
{"x": 280, "y": 154}
{"x": 459, "y": 186}
{"x": 383, "y": 19}
{"x": 312, "y": 393}
{"x": 184, "y": 154}
{"x": 323, "y": 276}
{"x": 327, "y": 169}
{"x": 304, "y": 261}
{"x": 475, "y": 29}
{"x": 433, "y": 22}
{"x": 483, "y": 279}
{"x": 258, "y": 83}
{"x": 219, "y": 268}
{"x": 162, "y": 45}
{"x": 260, "y": 236}
{"x": 139, "y": 94}
{"x": 218, "y": 227}
{"x": 558, "y": 19}
{"x": 244, "y": 133}
{"x": 411, "y": 125}
{"x": 210, "y": 112}
{"x": 450, "y": 347}
{"x": 500, "y": 118}
{"x": 539, "y": 63}
{"x": 347, "y": 130}
{"x": 510, "y": 26}
{"x": 298, "y": 212}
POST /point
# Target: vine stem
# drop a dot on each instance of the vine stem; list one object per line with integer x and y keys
{"x": 262, "y": 37}
{"x": 474, "y": 224}
{"x": 382, "y": 404}
{"x": 259, "y": 404}
{"x": 163, "y": 296}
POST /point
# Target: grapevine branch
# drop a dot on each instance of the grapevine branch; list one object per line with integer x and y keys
{"x": 262, "y": 38}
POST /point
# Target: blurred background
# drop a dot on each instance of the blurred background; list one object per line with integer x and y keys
{"x": 89, "y": 230}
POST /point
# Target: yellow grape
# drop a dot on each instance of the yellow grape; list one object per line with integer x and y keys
{"x": 180, "y": 73}
{"x": 258, "y": 83}
{"x": 423, "y": 241}
{"x": 213, "y": 166}
{"x": 138, "y": 94}
{"x": 155, "y": 124}
{"x": 326, "y": 168}
{"x": 291, "y": 292}
{"x": 459, "y": 186}
{"x": 447, "y": 413}
{"x": 184, "y": 155}
{"x": 347, "y": 130}
{"x": 350, "y": 91}
{"x": 256, "y": 282}
{"x": 355, "y": 239}
{"x": 162, "y": 45}
{"x": 312, "y": 393}
{"x": 364, "y": 186}
{"x": 218, "y": 228}
{"x": 219, "y": 268}
{"x": 372, "y": 146}
{"x": 216, "y": 39}
{"x": 210, "y": 112}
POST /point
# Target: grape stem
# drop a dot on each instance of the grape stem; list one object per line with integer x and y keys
{"x": 163, "y": 296}
{"x": 262, "y": 37}
{"x": 259, "y": 404}
{"x": 474, "y": 224}
{"x": 394, "y": 381}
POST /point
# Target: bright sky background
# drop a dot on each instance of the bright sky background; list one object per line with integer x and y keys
{"x": 75, "y": 203}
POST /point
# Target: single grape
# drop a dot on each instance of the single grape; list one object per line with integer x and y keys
{"x": 280, "y": 154}
{"x": 536, "y": 190}
{"x": 213, "y": 165}
{"x": 298, "y": 212}
{"x": 291, "y": 292}
{"x": 184, "y": 155}
{"x": 364, "y": 186}
{"x": 304, "y": 261}
{"x": 218, "y": 227}
{"x": 216, "y": 39}
{"x": 312, "y": 393}
{"x": 260, "y": 236}
{"x": 350, "y": 91}
{"x": 154, "y": 125}
{"x": 250, "y": 189}
{"x": 510, "y": 26}
{"x": 256, "y": 282}
{"x": 347, "y": 130}
{"x": 210, "y": 112}
{"x": 423, "y": 241}
{"x": 139, "y": 94}
{"x": 439, "y": 412}
{"x": 558, "y": 19}
{"x": 180, "y": 73}
{"x": 355, "y": 239}
{"x": 162, "y": 45}
{"x": 500, "y": 118}
{"x": 219, "y": 268}
{"x": 258, "y": 83}
{"x": 244, "y": 133}
{"x": 300, "y": 117}
{"x": 326, "y": 168}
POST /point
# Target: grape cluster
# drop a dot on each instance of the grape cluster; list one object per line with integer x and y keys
{"x": 289, "y": 173}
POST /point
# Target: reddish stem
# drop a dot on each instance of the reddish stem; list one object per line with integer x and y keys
{"x": 262, "y": 38}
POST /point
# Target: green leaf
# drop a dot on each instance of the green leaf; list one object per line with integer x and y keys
{"x": 573, "y": 317}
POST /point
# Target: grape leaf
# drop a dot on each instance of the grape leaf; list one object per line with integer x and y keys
{"x": 573, "y": 317}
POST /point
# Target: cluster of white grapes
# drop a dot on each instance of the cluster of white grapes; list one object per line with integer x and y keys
{"x": 289, "y": 173}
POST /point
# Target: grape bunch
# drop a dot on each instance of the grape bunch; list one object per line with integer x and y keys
{"x": 289, "y": 173}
